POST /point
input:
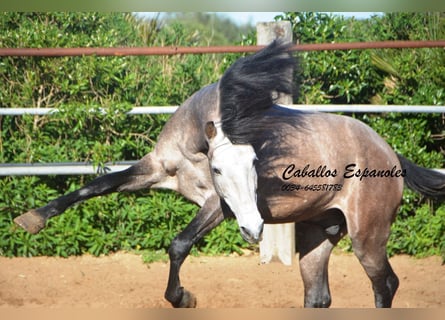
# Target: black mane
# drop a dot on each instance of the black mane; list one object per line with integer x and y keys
{"x": 248, "y": 90}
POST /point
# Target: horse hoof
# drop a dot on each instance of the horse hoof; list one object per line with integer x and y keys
{"x": 31, "y": 221}
{"x": 188, "y": 300}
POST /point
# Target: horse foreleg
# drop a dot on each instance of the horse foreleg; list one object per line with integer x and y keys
{"x": 136, "y": 177}
{"x": 315, "y": 244}
{"x": 207, "y": 218}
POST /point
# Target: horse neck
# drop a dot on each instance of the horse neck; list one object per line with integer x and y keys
{"x": 184, "y": 131}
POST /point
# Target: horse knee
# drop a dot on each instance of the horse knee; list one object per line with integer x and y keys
{"x": 179, "y": 249}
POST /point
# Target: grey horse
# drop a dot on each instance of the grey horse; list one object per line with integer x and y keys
{"x": 331, "y": 174}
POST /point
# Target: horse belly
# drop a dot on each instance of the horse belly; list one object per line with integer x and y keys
{"x": 297, "y": 200}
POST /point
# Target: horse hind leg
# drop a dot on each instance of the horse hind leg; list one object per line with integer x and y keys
{"x": 370, "y": 249}
{"x": 315, "y": 243}
{"x": 134, "y": 178}
{"x": 34, "y": 220}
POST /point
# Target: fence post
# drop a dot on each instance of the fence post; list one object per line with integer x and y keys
{"x": 278, "y": 239}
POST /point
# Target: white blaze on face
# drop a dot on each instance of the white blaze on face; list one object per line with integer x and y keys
{"x": 235, "y": 179}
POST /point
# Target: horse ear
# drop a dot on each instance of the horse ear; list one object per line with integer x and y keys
{"x": 210, "y": 130}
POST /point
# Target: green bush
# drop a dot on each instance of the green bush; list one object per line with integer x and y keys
{"x": 421, "y": 234}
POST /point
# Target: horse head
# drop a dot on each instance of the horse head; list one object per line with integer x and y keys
{"x": 235, "y": 179}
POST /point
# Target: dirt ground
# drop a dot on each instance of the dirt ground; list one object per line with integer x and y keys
{"x": 122, "y": 280}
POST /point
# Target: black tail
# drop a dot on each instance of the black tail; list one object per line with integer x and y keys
{"x": 428, "y": 182}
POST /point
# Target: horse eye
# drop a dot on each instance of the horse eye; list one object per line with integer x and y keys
{"x": 216, "y": 171}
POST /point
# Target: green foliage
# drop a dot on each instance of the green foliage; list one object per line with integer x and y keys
{"x": 331, "y": 77}
{"x": 421, "y": 234}
{"x": 92, "y": 95}
{"x": 225, "y": 238}
{"x": 209, "y": 28}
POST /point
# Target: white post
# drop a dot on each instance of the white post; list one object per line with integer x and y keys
{"x": 278, "y": 239}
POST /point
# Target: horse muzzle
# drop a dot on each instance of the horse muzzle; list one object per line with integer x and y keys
{"x": 252, "y": 235}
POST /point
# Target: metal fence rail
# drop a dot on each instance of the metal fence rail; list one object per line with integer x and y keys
{"x": 172, "y": 50}
{"x": 81, "y": 168}
{"x": 48, "y": 111}
{"x": 355, "y": 108}
{"x": 63, "y": 168}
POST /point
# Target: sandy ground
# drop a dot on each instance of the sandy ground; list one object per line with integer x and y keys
{"x": 123, "y": 280}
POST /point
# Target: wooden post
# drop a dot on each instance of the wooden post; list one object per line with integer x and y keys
{"x": 278, "y": 239}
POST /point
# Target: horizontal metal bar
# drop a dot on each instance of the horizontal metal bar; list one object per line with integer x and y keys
{"x": 123, "y": 51}
{"x": 153, "y": 110}
{"x": 363, "y": 108}
{"x": 172, "y": 50}
{"x": 68, "y": 168}
{"x": 48, "y": 111}
{"x": 357, "y": 108}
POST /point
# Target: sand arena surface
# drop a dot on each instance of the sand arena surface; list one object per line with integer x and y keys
{"x": 123, "y": 280}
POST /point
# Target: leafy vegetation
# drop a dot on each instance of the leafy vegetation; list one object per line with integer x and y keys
{"x": 209, "y": 28}
{"x": 93, "y": 94}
